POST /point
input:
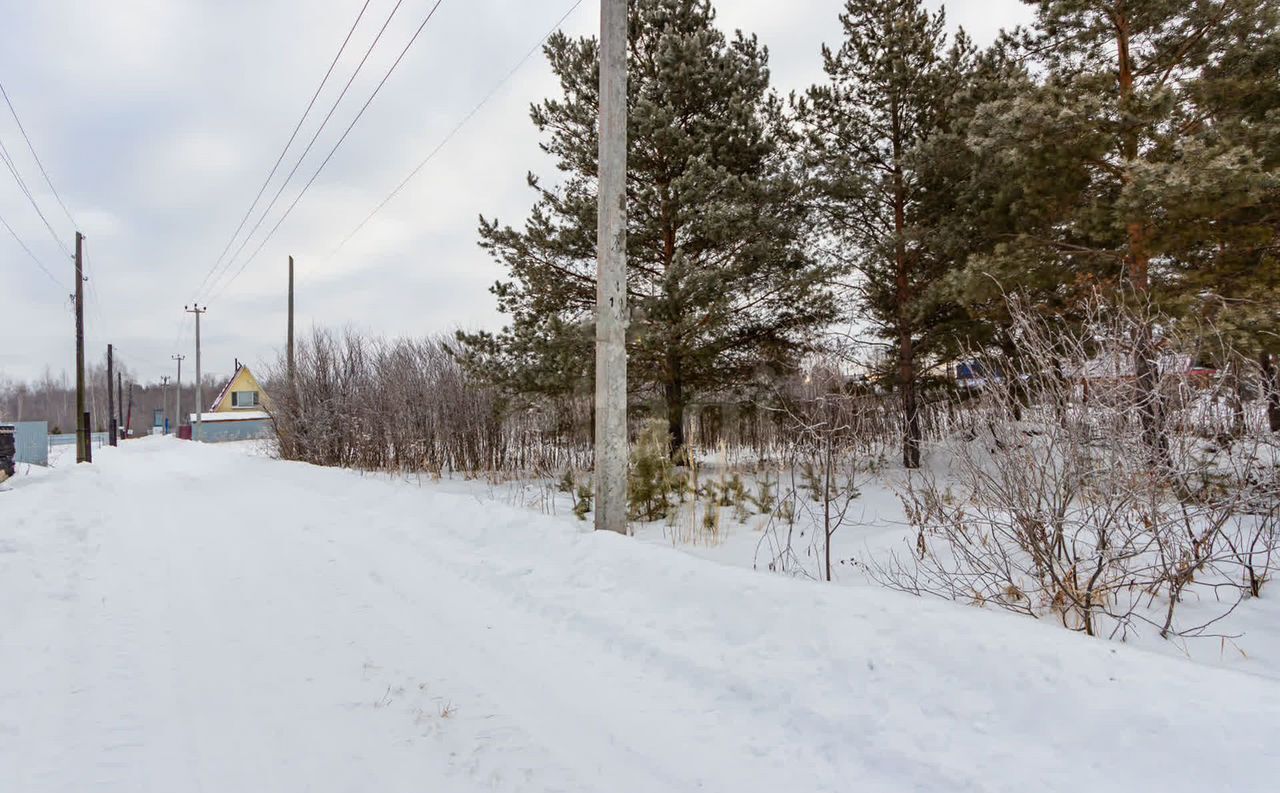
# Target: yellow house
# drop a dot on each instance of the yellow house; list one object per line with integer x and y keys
{"x": 239, "y": 413}
{"x": 241, "y": 393}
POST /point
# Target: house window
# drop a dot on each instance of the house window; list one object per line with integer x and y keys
{"x": 244, "y": 399}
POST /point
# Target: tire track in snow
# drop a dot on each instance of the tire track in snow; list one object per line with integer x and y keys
{"x": 611, "y": 708}
{"x": 116, "y": 725}
{"x": 403, "y": 649}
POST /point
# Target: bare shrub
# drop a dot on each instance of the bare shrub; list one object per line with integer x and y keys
{"x": 408, "y": 406}
{"x": 828, "y": 450}
{"x": 758, "y": 429}
{"x": 1058, "y": 504}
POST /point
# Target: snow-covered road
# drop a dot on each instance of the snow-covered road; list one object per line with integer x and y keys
{"x": 187, "y": 618}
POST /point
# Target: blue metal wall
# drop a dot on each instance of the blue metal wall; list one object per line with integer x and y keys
{"x": 222, "y": 431}
{"x": 31, "y": 442}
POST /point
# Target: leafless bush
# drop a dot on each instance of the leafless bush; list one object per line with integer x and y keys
{"x": 1059, "y": 502}
{"x": 755, "y": 428}
{"x": 830, "y": 443}
{"x": 408, "y": 406}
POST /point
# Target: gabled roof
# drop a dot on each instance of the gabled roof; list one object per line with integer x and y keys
{"x": 223, "y": 393}
{"x": 226, "y": 389}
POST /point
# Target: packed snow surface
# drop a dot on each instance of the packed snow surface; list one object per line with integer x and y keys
{"x": 179, "y": 617}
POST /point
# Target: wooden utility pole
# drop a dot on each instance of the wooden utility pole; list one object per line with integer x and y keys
{"x": 611, "y": 275}
{"x": 113, "y": 427}
{"x": 177, "y": 407}
{"x": 164, "y": 406}
{"x": 119, "y": 417}
{"x": 289, "y": 338}
{"x": 82, "y": 427}
{"x": 128, "y": 421}
{"x": 197, "y": 432}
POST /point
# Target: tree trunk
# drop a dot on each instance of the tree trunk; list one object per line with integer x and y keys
{"x": 1137, "y": 260}
{"x": 902, "y": 297}
{"x": 826, "y": 504}
{"x": 1271, "y": 389}
{"x": 910, "y": 409}
{"x": 1237, "y": 398}
{"x": 674, "y": 392}
{"x": 674, "y": 386}
{"x": 1147, "y": 376}
{"x": 1017, "y": 388}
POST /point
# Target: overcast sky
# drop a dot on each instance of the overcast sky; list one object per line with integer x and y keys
{"x": 158, "y": 120}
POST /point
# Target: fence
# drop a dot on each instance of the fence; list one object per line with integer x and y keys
{"x": 99, "y": 439}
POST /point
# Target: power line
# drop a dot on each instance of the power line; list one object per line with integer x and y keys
{"x": 40, "y": 164}
{"x": 456, "y": 129}
{"x": 34, "y": 258}
{"x": 94, "y": 303}
{"x": 333, "y": 150}
{"x": 179, "y": 334}
{"x": 13, "y": 169}
{"x": 265, "y": 212}
{"x": 289, "y": 143}
{"x": 144, "y": 361}
{"x": 22, "y": 185}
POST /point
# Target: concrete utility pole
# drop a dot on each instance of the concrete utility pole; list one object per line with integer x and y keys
{"x": 82, "y": 427}
{"x": 112, "y": 427}
{"x": 177, "y": 407}
{"x": 289, "y": 339}
{"x": 611, "y": 275}
{"x": 197, "y": 432}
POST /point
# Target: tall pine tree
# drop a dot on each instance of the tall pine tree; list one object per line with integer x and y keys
{"x": 722, "y": 290}
{"x": 1230, "y": 272}
{"x": 889, "y": 92}
{"x": 969, "y": 206}
{"x": 1108, "y": 160}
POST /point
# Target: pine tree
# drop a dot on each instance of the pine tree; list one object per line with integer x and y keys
{"x": 1230, "y": 271}
{"x": 968, "y": 207}
{"x": 888, "y": 93}
{"x": 988, "y": 209}
{"x": 1108, "y": 162}
{"x": 721, "y": 288}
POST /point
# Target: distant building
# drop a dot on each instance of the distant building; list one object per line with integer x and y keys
{"x": 238, "y": 413}
{"x": 30, "y": 442}
{"x": 1115, "y": 368}
{"x": 241, "y": 393}
{"x": 7, "y": 451}
{"x": 974, "y": 374}
{"x": 1119, "y": 366}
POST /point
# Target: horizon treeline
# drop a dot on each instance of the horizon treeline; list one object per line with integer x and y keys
{"x": 53, "y": 399}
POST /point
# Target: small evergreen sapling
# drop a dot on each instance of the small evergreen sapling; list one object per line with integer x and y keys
{"x": 764, "y": 499}
{"x": 653, "y": 478}
{"x": 583, "y": 503}
{"x": 566, "y": 483}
